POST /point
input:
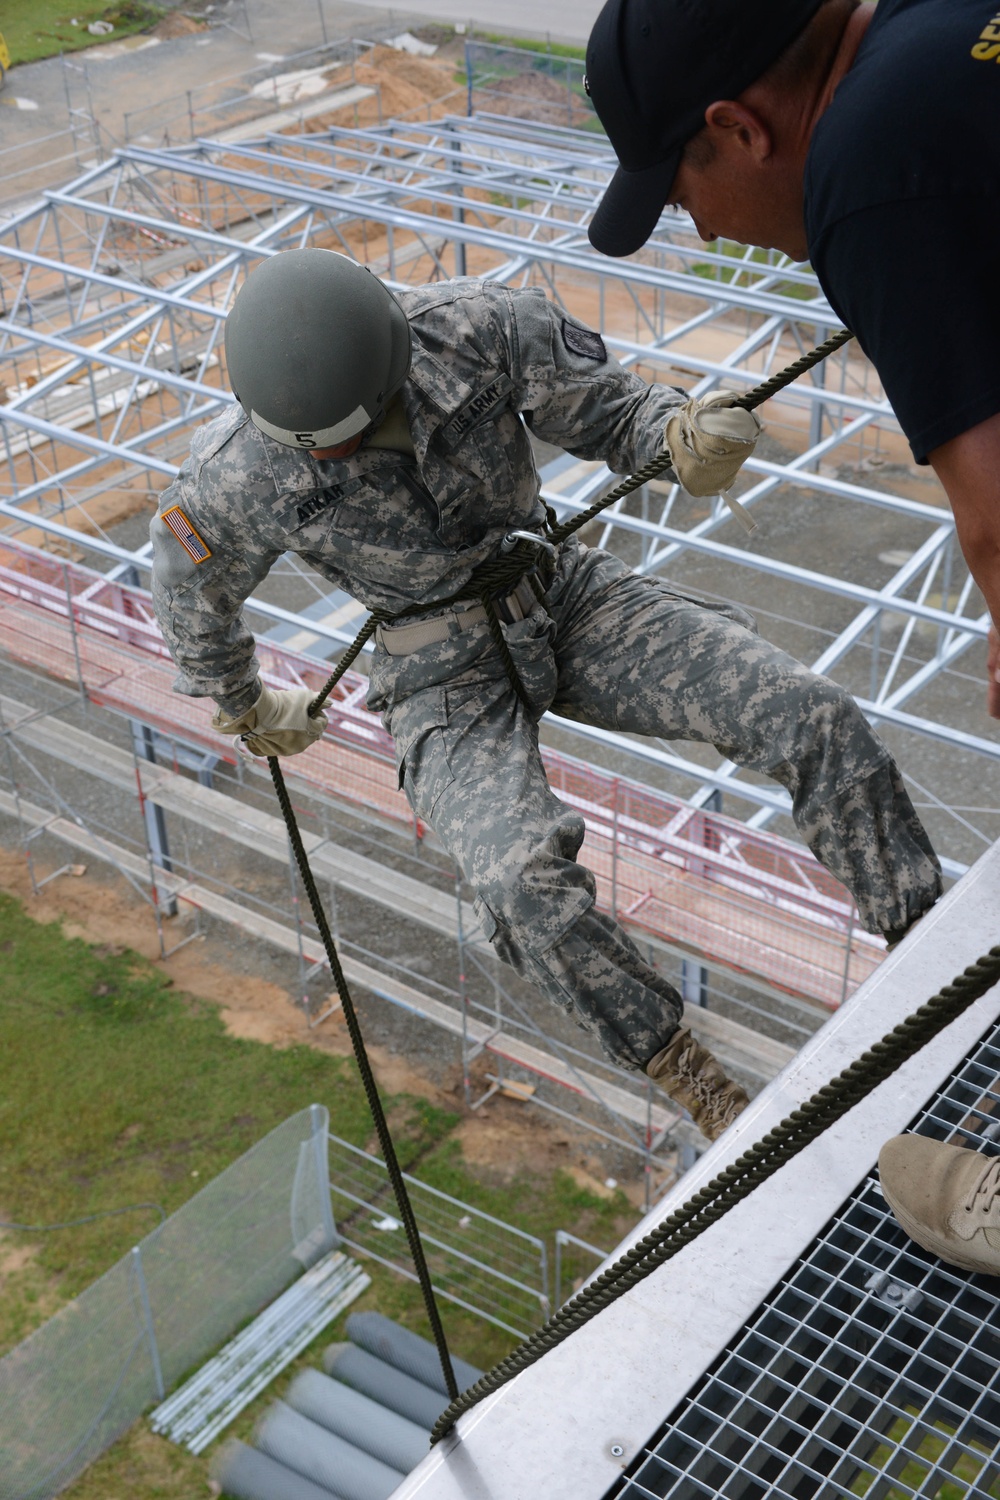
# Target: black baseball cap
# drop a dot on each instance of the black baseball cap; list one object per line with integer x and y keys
{"x": 653, "y": 68}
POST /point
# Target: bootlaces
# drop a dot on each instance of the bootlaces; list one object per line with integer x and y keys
{"x": 985, "y": 1191}
{"x": 693, "y": 1076}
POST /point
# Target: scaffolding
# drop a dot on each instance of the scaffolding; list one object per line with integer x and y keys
{"x": 113, "y": 291}
{"x": 701, "y": 891}
{"x": 115, "y": 288}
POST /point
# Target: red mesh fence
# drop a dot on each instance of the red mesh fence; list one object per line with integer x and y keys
{"x": 706, "y": 884}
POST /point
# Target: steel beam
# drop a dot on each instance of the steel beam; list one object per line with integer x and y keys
{"x": 522, "y": 192}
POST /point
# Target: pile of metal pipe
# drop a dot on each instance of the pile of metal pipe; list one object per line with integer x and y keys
{"x": 406, "y": 1351}
{"x": 353, "y": 1433}
{"x": 386, "y": 1435}
{"x": 389, "y": 1387}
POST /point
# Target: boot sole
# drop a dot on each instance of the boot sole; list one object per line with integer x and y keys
{"x": 943, "y": 1249}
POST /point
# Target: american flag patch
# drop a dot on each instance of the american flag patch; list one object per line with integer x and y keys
{"x": 186, "y": 534}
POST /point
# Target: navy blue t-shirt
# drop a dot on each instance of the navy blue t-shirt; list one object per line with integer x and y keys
{"x": 902, "y": 204}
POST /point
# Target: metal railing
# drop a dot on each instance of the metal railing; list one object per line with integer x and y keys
{"x": 240, "y": 97}
{"x": 575, "y": 1262}
{"x": 476, "y": 1261}
{"x": 72, "y": 1387}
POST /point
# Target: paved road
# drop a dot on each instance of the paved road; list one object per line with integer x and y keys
{"x": 142, "y": 74}
{"x": 562, "y": 20}
{"x": 138, "y": 85}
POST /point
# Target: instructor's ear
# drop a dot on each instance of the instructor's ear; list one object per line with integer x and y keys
{"x": 734, "y": 128}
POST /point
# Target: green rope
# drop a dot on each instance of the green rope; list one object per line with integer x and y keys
{"x": 497, "y": 576}
{"x": 367, "y": 1076}
{"x": 737, "y": 1181}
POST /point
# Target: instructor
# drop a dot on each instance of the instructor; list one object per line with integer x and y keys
{"x": 866, "y": 140}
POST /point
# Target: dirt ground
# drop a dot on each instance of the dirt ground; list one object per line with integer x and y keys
{"x": 409, "y": 88}
{"x": 539, "y": 97}
{"x": 501, "y": 1140}
{"x": 15, "y": 1255}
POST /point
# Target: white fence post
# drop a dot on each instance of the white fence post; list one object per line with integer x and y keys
{"x": 320, "y": 1135}
{"x": 147, "y": 1312}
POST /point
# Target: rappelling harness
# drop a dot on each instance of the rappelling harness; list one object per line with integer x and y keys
{"x": 502, "y": 589}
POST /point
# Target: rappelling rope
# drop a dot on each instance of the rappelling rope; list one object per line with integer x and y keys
{"x": 737, "y": 1181}
{"x": 498, "y": 575}
{"x": 750, "y": 399}
{"x": 403, "y": 1203}
{"x": 489, "y": 582}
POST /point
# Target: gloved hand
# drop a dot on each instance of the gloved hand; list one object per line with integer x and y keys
{"x": 277, "y": 724}
{"x": 709, "y": 438}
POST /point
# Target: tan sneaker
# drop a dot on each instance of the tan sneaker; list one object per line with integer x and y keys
{"x": 947, "y": 1198}
{"x": 692, "y": 1077}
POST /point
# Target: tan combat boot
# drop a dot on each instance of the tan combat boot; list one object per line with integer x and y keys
{"x": 692, "y": 1077}
{"x": 947, "y": 1198}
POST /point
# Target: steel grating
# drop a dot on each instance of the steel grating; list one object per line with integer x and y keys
{"x": 872, "y": 1370}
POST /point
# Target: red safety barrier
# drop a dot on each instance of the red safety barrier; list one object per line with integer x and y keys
{"x": 704, "y": 883}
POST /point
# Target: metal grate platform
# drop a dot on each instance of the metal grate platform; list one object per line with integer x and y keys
{"x": 872, "y": 1369}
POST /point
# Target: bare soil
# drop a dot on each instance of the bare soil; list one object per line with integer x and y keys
{"x": 502, "y": 1140}
{"x": 408, "y": 88}
{"x": 538, "y": 97}
{"x": 28, "y": 1294}
{"x": 177, "y": 23}
{"x": 13, "y": 1256}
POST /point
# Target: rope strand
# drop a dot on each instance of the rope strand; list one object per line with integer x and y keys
{"x": 490, "y": 582}
{"x": 367, "y": 1077}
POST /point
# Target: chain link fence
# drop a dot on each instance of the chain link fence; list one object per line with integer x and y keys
{"x": 542, "y": 86}
{"x": 70, "y": 1389}
{"x": 286, "y": 84}
{"x": 490, "y": 1268}
{"x": 76, "y": 1384}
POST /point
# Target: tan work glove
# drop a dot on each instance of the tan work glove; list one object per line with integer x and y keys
{"x": 709, "y": 439}
{"x": 277, "y": 724}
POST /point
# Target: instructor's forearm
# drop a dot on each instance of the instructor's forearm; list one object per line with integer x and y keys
{"x": 969, "y": 469}
{"x": 983, "y": 558}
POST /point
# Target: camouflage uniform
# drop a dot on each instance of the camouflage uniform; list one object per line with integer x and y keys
{"x": 608, "y": 647}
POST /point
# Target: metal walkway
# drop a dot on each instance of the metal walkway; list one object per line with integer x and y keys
{"x": 801, "y": 1347}
{"x": 873, "y": 1369}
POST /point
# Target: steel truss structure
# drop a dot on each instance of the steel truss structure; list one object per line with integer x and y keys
{"x": 114, "y": 292}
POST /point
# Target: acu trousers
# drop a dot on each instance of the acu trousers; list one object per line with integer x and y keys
{"x": 627, "y": 653}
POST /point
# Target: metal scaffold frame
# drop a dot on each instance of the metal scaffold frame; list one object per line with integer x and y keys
{"x": 705, "y": 892}
{"x": 113, "y": 294}
{"x": 114, "y": 291}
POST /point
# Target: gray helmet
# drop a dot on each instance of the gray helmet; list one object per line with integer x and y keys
{"x": 316, "y": 348}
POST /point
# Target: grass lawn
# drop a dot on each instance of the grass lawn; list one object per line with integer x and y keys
{"x": 970, "y": 1469}
{"x": 527, "y": 44}
{"x": 43, "y": 28}
{"x": 115, "y": 1089}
